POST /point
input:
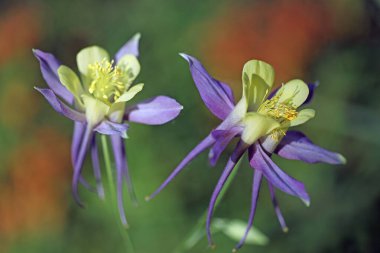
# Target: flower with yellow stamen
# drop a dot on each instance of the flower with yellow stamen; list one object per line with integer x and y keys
{"x": 96, "y": 100}
{"x": 260, "y": 121}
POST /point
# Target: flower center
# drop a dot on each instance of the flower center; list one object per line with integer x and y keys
{"x": 279, "y": 111}
{"x": 107, "y": 81}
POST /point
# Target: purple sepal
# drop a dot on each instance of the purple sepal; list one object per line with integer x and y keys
{"x": 130, "y": 47}
{"x": 79, "y": 129}
{"x": 86, "y": 184}
{"x": 296, "y": 146}
{"x": 205, "y": 143}
{"x": 120, "y": 204}
{"x": 218, "y": 97}
{"x": 96, "y": 167}
{"x": 226, "y": 88}
{"x": 111, "y": 128}
{"x": 60, "y": 107}
{"x": 222, "y": 137}
{"x": 280, "y": 218}
{"x": 87, "y": 136}
{"x": 49, "y": 65}
{"x": 122, "y": 173}
{"x": 119, "y": 154}
{"x": 238, "y": 152}
{"x": 259, "y": 160}
{"x": 257, "y": 178}
{"x": 155, "y": 111}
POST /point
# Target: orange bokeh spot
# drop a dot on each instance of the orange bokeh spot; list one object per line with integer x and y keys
{"x": 287, "y": 34}
{"x": 33, "y": 196}
{"x": 20, "y": 28}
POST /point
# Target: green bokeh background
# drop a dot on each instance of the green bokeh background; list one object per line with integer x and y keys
{"x": 344, "y": 214}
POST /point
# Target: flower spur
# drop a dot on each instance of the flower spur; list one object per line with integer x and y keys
{"x": 260, "y": 120}
{"x": 96, "y": 102}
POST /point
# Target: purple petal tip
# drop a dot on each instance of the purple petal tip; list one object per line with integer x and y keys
{"x": 185, "y": 56}
{"x": 101, "y": 194}
{"x": 39, "y": 54}
{"x": 217, "y": 96}
{"x": 342, "y": 159}
{"x": 36, "y": 51}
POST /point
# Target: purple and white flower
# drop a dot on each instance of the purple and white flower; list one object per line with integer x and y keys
{"x": 260, "y": 120}
{"x": 96, "y": 101}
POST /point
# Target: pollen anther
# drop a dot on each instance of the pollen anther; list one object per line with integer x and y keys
{"x": 278, "y": 110}
{"x": 107, "y": 81}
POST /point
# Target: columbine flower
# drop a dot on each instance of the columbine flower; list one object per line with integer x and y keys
{"x": 260, "y": 120}
{"x": 96, "y": 101}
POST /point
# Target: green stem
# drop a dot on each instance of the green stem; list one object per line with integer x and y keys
{"x": 124, "y": 232}
{"x": 192, "y": 237}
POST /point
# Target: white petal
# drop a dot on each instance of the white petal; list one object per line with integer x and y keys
{"x": 128, "y": 95}
{"x": 71, "y": 81}
{"x": 116, "y": 111}
{"x": 90, "y": 55}
{"x": 129, "y": 63}
{"x": 96, "y": 110}
{"x": 302, "y": 117}
{"x": 294, "y": 92}
{"x": 258, "y": 78}
{"x": 256, "y": 126}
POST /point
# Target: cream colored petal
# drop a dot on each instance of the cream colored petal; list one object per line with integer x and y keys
{"x": 302, "y": 117}
{"x": 256, "y": 126}
{"x": 116, "y": 110}
{"x": 128, "y": 95}
{"x": 130, "y": 65}
{"x": 258, "y": 78}
{"x": 294, "y": 92}
{"x": 90, "y": 55}
{"x": 96, "y": 110}
{"x": 70, "y": 80}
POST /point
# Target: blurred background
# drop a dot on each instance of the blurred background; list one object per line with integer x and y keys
{"x": 334, "y": 42}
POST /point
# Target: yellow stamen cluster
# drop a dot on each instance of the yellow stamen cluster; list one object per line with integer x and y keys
{"x": 277, "y": 110}
{"x": 281, "y": 111}
{"x": 107, "y": 81}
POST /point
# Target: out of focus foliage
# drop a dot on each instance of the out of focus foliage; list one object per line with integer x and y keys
{"x": 334, "y": 42}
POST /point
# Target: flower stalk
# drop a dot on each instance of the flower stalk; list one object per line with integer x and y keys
{"x": 123, "y": 229}
{"x": 190, "y": 239}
